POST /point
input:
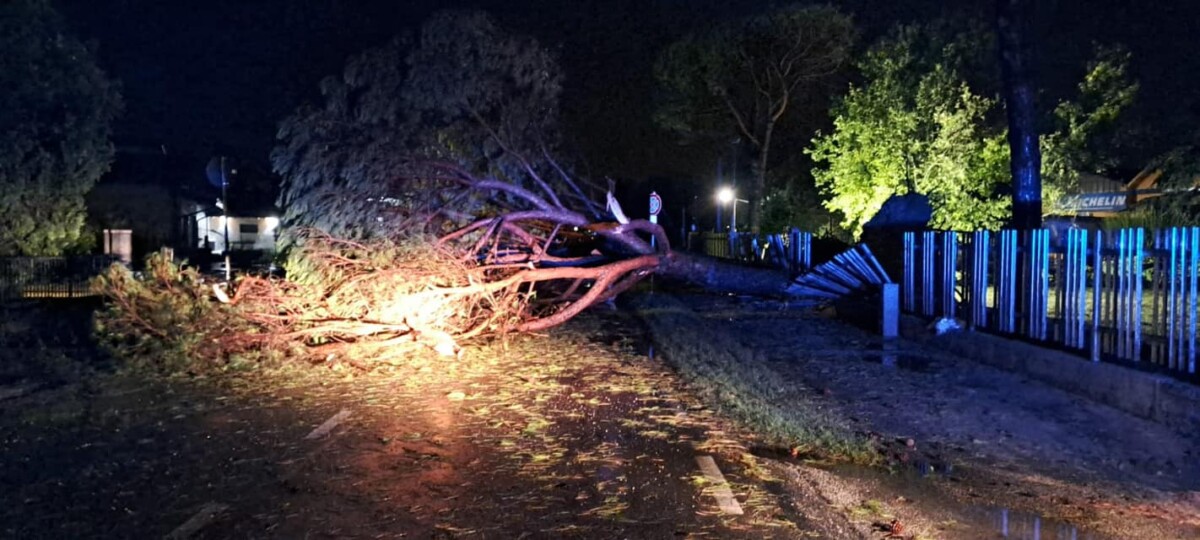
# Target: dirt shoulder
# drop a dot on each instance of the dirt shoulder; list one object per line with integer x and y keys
{"x": 974, "y": 451}
{"x": 541, "y": 437}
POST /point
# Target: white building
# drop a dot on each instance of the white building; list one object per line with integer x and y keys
{"x": 245, "y": 233}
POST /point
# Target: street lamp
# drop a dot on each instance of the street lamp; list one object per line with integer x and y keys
{"x": 725, "y": 196}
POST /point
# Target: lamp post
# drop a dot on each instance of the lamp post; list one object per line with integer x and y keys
{"x": 725, "y": 196}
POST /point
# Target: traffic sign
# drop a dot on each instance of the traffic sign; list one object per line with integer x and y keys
{"x": 655, "y": 204}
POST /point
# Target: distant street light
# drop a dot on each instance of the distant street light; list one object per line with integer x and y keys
{"x": 725, "y": 196}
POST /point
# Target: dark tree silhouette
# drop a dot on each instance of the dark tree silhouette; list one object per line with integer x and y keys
{"x": 748, "y": 79}
{"x": 56, "y": 112}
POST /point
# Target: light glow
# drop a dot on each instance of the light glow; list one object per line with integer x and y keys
{"x": 270, "y": 223}
{"x": 725, "y": 195}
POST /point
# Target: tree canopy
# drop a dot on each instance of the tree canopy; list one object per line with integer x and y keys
{"x": 466, "y": 91}
{"x": 56, "y": 111}
{"x": 746, "y": 79}
{"x": 916, "y": 124}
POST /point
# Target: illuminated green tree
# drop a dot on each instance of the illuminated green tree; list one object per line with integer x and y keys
{"x": 916, "y": 125}
{"x": 56, "y": 111}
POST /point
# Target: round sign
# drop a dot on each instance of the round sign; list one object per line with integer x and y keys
{"x": 655, "y": 204}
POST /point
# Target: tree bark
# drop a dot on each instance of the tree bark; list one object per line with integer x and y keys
{"x": 718, "y": 276}
{"x": 1013, "y": 19}
{"x": 759, "y": 189}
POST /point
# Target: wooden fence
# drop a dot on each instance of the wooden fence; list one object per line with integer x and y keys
{"x": 1128, "y": 295}
{"x": 791, "y": 250}
{"x": 49, "y": 277}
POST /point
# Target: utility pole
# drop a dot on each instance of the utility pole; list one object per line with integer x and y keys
{"x": 225, "y": 216}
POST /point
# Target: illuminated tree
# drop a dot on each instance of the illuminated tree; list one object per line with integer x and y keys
{"x": 747, "y": 78}
{"x": 57, "y": 110}
{"x": 917, "y": 125}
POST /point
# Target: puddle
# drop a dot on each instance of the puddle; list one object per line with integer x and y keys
{"x": 903, "y": 361}
{"x": 919, "y": 486}
{"x": 925, "y": 488}
{"x": 888, "y": 354}
{"x": 620, "y": 333}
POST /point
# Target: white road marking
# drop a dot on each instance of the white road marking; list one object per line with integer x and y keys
{"x": 324, "y": 429}
{"x": 207, "y": 514}
{"x": 720, "y": 488}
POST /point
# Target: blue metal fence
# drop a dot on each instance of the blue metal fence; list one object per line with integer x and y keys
{"x": 1129, "y": 294}
{"x": 791, "y": 250}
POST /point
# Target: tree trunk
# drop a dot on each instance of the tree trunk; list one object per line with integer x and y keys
{"x": 719, "y": 276}
{"x": 759, "y": 189}
{"x": 1013, "y": 18}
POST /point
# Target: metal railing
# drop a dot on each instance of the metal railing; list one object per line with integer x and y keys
{"x": 1129, "y": 295}
{"x": 49, "y": 277}
{"x": 791, "y": 250}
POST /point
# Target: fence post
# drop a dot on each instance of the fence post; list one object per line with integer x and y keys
{"x": 1038, "y": 287}
{"x": 1075, "y": 303}
{"x": 928, "y": 269}
{"x": 949, "y": 273}
{"x": 1194, "y": 269}
{"x": 890, "y": 324}
{"x": 1172, "y": 297}
{"x": 1097, "y": 272}
{"x": 910, "y": 261}
{"x": 980, "y": 249}
{"x": 1139, "y": 253}
{"x": 1006, "y": 301}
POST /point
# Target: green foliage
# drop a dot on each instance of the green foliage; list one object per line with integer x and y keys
{"x": 748, "y": 79}
{"x": 1085, "y": 127}
{"x": 799, "y": 205}
{"x": 1180, "y": 166}
{"x": 917, "y": 125}
{"x": 468, "y": 93}
{"x": 1179, "y": 170}
{"x": 54, "y": 130}
{"x": 165, "y": 322}
{"x": 914, "y": 125}
{"x": 489, "y": 90}
{"x": 1180, "y": 209}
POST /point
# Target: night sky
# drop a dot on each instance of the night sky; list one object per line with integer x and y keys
{"x": 207, "y": 77}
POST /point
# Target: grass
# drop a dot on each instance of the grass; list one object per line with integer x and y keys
{"x": 740, "y": 384}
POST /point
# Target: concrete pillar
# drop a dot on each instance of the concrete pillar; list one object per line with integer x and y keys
{"x": 890, "y": 310}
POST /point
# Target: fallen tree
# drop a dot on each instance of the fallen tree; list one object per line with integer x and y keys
{"x": 493, "y": 257}
{"x": 423, "y": 207}
{"x": 526, "y": 261}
